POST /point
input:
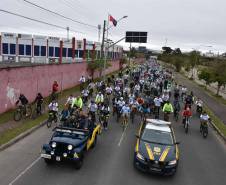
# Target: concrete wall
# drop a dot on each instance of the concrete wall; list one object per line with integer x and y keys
{"x": 33, "y": 79}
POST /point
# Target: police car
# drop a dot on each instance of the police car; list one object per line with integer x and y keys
{"x": 156, "y": 148}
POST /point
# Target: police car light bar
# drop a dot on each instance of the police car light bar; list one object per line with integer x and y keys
{"x": 158, "y": 122}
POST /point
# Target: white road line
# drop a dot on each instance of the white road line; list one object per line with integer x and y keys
{"x": 122, "y": 137}
{"x": 23, "y": 172}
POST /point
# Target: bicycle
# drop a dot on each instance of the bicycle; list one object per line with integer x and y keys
{"x": 39, "y": 108}
{"x": 176, "y": 115}
{"x": 52, "y": 118}
{"x": 133, "y": 113}
{"x": 166, "y": 116}
{"x": 186, "y": 124}
{"x": 204, "y": 129}
{"x": 22, "y": 111}
{"x": 125, "y": 121}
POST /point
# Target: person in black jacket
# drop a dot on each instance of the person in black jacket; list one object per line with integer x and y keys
{"x": 23, "y": 101}
{"x": 39, "y": 101}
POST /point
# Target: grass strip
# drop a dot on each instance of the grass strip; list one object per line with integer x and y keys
{"x": 26, "y": 125}
{"x": 216, "y": 121}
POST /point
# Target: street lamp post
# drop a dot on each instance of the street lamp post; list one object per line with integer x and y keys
{"x": 104, "y": 50}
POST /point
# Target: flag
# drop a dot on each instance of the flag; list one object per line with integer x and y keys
{"x": 112, "y": 19}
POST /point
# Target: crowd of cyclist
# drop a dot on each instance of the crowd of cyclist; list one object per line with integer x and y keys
{"x": 145, "y": 91}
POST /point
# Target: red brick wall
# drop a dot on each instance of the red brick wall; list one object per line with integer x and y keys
{"x": 30, "y": 80}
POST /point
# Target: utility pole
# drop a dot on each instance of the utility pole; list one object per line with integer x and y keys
{"x": 67, "y": 34}
{"x": 102, "y": 45}
{"x": 129, "y": 53}
{"x": 99, "y": 31}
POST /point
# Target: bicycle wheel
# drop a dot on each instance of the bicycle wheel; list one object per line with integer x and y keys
{"x": 17, "y": 115}
{"x": 186, "y": 127}
{"x": 28, "y": 111}
{"x": 49, "y": 123}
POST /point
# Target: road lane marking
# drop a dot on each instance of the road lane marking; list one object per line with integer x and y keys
{"x": 122, "y": 137}
{"x": 23, "y": 172}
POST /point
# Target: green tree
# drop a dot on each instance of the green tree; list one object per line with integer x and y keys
{"x": 178, "y": 63}
{"x": 97, "y": 65}
{"x": 219, "y": 75}
{"x": 206, "y": 75}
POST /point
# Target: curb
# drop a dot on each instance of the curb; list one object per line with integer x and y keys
{"x": 21, "y": 136}
{"x": 218, "y": 131}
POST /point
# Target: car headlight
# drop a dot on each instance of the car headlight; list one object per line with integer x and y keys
{"x": 139, "y": 156}
{"x": 172, "y": 162}
{"x": 69, "y": 147}
{"x": 53, "y": 144}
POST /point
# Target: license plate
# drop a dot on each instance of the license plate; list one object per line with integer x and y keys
{"x": 155, "y": 169}
{"x": 46, "y": 156}
{"x": 57, "y": 158}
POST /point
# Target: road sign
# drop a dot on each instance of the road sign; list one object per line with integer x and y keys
{"x": 136, "y": 36}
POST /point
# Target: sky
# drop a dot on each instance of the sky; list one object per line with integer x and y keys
{"x": 187, "y": 24}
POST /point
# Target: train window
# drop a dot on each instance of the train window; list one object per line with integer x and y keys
{"x": 69, "y": 52}
{"x": 43, "y": 51}
{"x": 64, "y": 52}
{"x": 21, "y": 49}
{"x": 51, "y": 52}
{"x": 36, "y": 50}
{"x": 5, "y": 47}
{"x": 28, "y": 50}
{"x": 12, "y": 49}
{"x": 57, "y": 52}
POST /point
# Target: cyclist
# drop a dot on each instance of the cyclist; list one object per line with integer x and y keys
{"x": 125, "y": 111}
{"x": 77, "y": 103}
{"x": 65, "y": 114}
{"x": 199, "y": 105}
{"x": 167, "y": 109}
{"x": 105, "y": 112}
{"x": 70, "y": 101}
{"x": 55, "y": 88}
{"x": 23, "y": 101}
{"x": 109, "y": 90}
{"x": 82, "y": 81}
{"x": 189, "y": 100}
{"x": 99, "y": 98}
{"x": 176, "y": 106}
{"x": 204, "y": 118}
{"x": 39, "y": 101}
{"x": 183, "y": 92}
{"x": 144, "y": 109}
{"x": 85, "y": 95}
{"x": 91, "y": 87}
{"x": 53, "y": 108}
{"x": 157, "y": 101}
{"x": 186, "y": 114}
{"x": 165, "y": 97}
{"x": 92, "y": 107}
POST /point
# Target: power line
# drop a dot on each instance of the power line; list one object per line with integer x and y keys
{"x": 39, "y": 21}
{"x": 58, "y": 14}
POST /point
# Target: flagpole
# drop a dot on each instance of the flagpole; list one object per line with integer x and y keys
{"x": 106, "y": 50}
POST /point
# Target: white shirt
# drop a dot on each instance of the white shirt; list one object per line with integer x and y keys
{"x": 53, "y": 106}
{"x": 137, "y": 87}
{"x": 120, "y": 103}
{"x": 92, "y": 107}
{"x": 158, "y": 102}
{"x": 117, "y": 88}
{"x": 109, "y": 90}
{"x": 82, "y": 79}
{"x": 199, "y": 103}
{"x": 204, "y": 117}
{"x": 70, "y": 100}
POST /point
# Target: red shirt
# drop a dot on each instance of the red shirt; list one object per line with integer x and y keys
{"x": 55, "y": 87}
{"x": 187, "y": 113}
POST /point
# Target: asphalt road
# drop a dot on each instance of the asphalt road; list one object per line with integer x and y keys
{"x": 202, "y": 161}
{"x": 218, "y": 109}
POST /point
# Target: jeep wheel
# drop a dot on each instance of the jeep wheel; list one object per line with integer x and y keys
{"x": 48, "y": 161}
{"x": 78, "y": 164}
